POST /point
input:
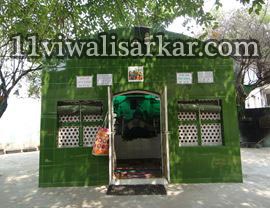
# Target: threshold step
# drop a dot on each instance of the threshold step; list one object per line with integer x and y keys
{"x": 139, "y": 181}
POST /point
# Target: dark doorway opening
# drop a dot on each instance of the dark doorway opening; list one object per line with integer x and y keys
{"x": 137, "y": 139}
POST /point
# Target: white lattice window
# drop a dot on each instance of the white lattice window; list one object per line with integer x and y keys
{"x": 89, "y": 135}
{"x": 211, "y": 134}
{"x": 69, "y": 118}
{"x": 188, "y": 135}
{"x": 68, "y": 137}
{"x": 209, "y": 115}
{"x": 200, "y": 125}
{"x": 92, "y": 118}
{"x": 187, "y": 116}
{"x": 78, "y": 122}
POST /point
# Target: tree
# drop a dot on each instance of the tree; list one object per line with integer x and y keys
{"x": 79, "y": 19}
{"x": 21, "y": 17}
{"x": 242, "y": 24}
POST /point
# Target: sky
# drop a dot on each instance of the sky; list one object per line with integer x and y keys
{"x": 20, "y": 123}
{"x": 227, "y": 6}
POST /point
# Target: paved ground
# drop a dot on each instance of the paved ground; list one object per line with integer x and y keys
{"x": 19, "y": 179}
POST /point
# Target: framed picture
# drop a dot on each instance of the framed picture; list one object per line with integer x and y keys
{"x": 184, "y": 78}
{"x": 104, "y": 79}
{"x": 205, "y": 77}
{"x": 135, "y": 74}
{"x": 84, "y": 81}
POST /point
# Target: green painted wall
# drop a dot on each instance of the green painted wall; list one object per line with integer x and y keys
{"x": 77, "y": 166}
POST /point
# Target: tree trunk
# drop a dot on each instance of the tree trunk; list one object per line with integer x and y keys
{"x": 3, "y": 105}
{"x": 241, "y": 94}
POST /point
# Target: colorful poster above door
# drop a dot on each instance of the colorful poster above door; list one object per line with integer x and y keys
{"x": 135, "y": 74}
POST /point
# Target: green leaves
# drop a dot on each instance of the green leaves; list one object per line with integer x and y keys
{"x": 83, "y": 18}
{"x": 255, "y": 5}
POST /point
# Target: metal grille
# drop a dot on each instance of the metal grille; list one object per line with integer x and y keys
{"x": 69, "y": 118}
{"x": 187, "y": 116}
{"x": 209, "y": 116}
{"x": 200, "y": 127}
{"x": 68, "y": 137}
{"x": 188, "y": 135}
{"x": 211, "y": 134}
{"x": 89, "y": 135}
{"x": 92, "y": 118}
{"x": 78, "y": 127}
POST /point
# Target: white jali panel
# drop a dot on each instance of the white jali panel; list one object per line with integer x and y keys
{"x": 68, "y": 137}
{"x": 209, "y": 116}
{"x": 186, "y": 116}
{"x": 89, "y": 135}
{"x": 92, "y": 118}
{"x": 69, "y": 118}
{"x": 211, "y": 134}
{"x": 188, "y": 135}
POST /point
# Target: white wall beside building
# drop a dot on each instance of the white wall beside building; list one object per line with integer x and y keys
{"x": 258, "y": 98}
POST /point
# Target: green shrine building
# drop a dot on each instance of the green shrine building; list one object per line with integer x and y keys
{"x": 170, "y": 120}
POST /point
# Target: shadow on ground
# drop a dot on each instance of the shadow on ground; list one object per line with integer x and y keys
{"x": 19, "y": 188}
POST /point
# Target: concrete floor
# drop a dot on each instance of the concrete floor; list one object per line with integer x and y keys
{"x": 19, "y": 180}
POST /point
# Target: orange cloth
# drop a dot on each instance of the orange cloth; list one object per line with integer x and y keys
{"x": 101, "y": 146}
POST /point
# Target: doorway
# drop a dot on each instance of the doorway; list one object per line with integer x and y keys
{"x": 137, "y": 139}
